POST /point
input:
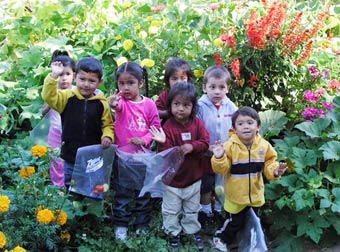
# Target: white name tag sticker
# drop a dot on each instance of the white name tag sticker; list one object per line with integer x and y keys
{"x": 186, "y": 136}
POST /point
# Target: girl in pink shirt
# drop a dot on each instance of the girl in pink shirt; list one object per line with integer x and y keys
{"x": 134, "y": 115}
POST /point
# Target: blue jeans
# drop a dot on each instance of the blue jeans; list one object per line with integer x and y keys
{"x": 126, "y": 203}
{"x": 68, "y": 170}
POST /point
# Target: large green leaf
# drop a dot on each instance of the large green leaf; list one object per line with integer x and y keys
{"x": 303, "y": 158}
{"x": 315, "y": 128}
{"x": 272, "y": 122}
{"x": 331, "y": 150}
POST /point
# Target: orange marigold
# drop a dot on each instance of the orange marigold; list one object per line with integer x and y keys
{"x": 45, "y": 216}
{"x": 26, "y": 172}
{"x": 4, "y": 203}
{"x": 39, "y": 150}
{"x": 64, "y": 235}
{"x": 61, "y": 217}
{"x": 2, "y": 240}
{"x": 18, "y": 249}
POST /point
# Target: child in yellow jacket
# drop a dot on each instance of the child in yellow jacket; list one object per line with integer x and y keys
{"x": 242, "y": 159}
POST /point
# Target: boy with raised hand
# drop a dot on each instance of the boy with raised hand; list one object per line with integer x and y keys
{"x": 84, "y": 110}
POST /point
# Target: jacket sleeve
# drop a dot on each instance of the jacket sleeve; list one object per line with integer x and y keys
{"x": 201, "y": 145}
{"x": 270, "y": 163}
{"x": 55, "y": 98}
{"x": 223, "y": 164}
{"x": 107, "y": 122}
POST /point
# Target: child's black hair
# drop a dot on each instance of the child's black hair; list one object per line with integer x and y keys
{"x": 174, "y": 65}
{"x": 246, "y": 111}
{"x": 64, "y": 58}
{"x": 218, "y": 72}
{"x": 90, "y": 65}
{"x": 184, "y": 89}
{"x": 139, "y": 72}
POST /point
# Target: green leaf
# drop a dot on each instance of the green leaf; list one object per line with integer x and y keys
{"x": 303, "y": 199}
{"x": 303, "y": 158}
{"x": 331, "y": 150}
{"x": 315, "y": 128}
{"x": 272, "y": 122}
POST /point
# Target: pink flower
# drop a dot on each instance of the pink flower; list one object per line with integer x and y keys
{"x": 313, "y": 72}
{"x": 310, "y": 112}
{"x": 213, "y": 6}
{"x": 228, "y": 39}
{"x": 310, "y": 96}
{"x": 334, "y": 85}
{"x": 157, "y": 8}
{"x": 327, "y": 105}
{"x": 321, "y": 92}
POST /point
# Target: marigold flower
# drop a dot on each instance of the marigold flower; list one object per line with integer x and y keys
{"x": 26, "y": 172}
{"x": 118, "y": 37}
{"x": 127, "y": 5}
{"x": 218, "y": 42}
{"x": 61, "y": 217}
{"x": 149, "y": 18}
{"x": 38, "y": 150}
{"x": 198, "y": 73}
{"x": 137, "y": 27}
{"x": 121, "y": 61}
{"x": 147, "y": 63}
{"x": 64, "y": 235}
{"x": 2, "y": 240}
{"x": 4, "y": 204}
{"x": 127, "y": 44}
{"x": 45, "y": 216}
{"x": 19, "y": 249}
{"x": 153, "y": 29}
{"x": 156, "y": 23}
{"x": 142, "y": 34}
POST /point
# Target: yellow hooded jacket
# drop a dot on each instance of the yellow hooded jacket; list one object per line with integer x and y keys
{"x": 243, "y": 167}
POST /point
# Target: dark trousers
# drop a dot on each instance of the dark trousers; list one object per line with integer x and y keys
{"x": 233, "y": 224}
{"x": 126, "y": 203}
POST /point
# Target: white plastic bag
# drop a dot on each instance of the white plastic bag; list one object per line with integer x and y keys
{"x": 39, "y": 133}
{"x": 251, "y": 237}
{"x": 92, "y": 170}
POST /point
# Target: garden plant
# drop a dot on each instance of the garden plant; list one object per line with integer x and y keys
{"x": 284, "y": 60}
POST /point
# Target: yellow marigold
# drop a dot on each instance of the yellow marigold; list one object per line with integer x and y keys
{"x": 118, "y": 37}
{"x": 26, "y": 172}
{"x": 127, "y": 44}
{"x": 127, "y": 5}
{"x": 64, "y": 235}
{"x": 2, "y": 240}
{"x": 61, "y": 217}
{"x": 39, "y": 150}
{"x": 121, "y": 61}
{"x": 45, "y": 216}
{"x": 19, "y": 249}
{"x": 149, "y": 18}
{"x": 156, "y": 23}
{"x": 147, "y": 62}
{"x": 4, "y": 204}
{"x": 142, "y": 34}
{"x": 218, "y": 42}
{"x": 137, "y": 27}
{"x": 153, "y": 29}
{"x": 198, "y": 73}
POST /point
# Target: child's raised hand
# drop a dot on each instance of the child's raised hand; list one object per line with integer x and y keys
{"x": 217, "y": 149}
{"x": 157, "y": 134}
{"x": 106, "y": 142}
{"x": 186, "y": 148}
{"x": 57, "y": 69}
{"x": 114, "y": 98}
{"x": 281, "y": 169}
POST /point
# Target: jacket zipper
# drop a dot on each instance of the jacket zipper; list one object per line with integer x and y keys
{"x": 249, "y": 181}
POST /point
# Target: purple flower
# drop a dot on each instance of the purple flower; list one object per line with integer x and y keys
{"x": 313, "y": 72}
{"x": 327, "y": 105}
{"x": 325, "y": 73}
{"x": 310, "y": 112}
{"x": 310, "y": 96}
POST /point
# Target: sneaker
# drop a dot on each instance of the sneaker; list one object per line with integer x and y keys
{"x": 199, "y": 241}
{"x": 207, "y": 222}
{"x": 219, "y": 244}
{"x": 174, "y": 242}
{"x": 120, "y": 233}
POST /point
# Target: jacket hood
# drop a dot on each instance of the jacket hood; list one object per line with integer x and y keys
{"x": 205, "y": 99}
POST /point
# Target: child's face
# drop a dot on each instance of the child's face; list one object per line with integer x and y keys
{"x": 177, "y": 76}
{"x": 129, "y": 86}
{"x": 66, "y": 78}
{"x": 216, "y": 89}
{"x": 246, "y": 129}
{"x": 181, "y": 108}
{"x": 87, "y": 83}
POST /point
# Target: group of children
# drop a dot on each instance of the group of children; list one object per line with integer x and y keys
{"x": 198, "y": 126}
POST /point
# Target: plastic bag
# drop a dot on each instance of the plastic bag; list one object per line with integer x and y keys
{"x": 219, "y": 188}
{"x": 251, "y": 237}
{"x": 39, "y": 133}
{"x": 92, "y": 168}
{"x": 161, "y": 168}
